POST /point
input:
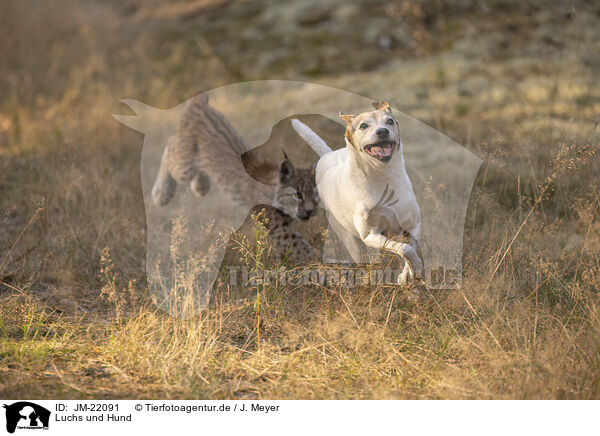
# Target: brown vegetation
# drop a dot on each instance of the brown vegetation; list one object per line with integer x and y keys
{"x": 515, "y": 83}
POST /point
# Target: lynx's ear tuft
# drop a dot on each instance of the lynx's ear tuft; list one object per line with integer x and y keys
{"x": 287, "y": 171}
{"x": 381, "y": 105}
{"x": 347, "y": 118}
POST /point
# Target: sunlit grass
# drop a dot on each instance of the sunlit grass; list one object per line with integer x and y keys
{"x": 77, "y": 319}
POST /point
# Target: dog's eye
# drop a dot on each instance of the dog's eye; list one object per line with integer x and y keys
{"x": 316, "y": 196}
{"x": 299, "y": 195}
{"x": 363, "y": 126}
{"x": 390, "y": 122}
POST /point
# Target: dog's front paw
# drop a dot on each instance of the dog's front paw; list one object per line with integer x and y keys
{"x": 406, "y": 277}
{"x": 418, "y": 271}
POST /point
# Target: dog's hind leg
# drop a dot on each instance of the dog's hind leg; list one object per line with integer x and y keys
{"x": 342, "y": 246}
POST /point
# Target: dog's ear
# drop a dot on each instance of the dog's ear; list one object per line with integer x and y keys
{"x": 381, "y": 105}
{"x": 348, "y": 119}
{"x": 287, "y": 171}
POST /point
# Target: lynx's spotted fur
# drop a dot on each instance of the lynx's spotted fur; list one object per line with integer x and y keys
{"x": 206, "y": 149}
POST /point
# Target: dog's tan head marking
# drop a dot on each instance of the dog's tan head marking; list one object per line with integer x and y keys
{"x": 374, "y": 133}
{"x": 381, "y": 105}
{"x": 348, "y": 118}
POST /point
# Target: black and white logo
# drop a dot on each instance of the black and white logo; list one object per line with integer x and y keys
{"x": 26, "y": 415}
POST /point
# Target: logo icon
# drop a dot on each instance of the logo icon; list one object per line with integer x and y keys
{"x": 26, "y": 415}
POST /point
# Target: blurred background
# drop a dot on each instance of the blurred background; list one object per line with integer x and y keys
{"x": 514, "y": 82}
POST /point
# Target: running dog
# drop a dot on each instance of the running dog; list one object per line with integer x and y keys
{"x": 366, "y": 191}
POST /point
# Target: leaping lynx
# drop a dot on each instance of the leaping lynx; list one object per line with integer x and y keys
{"x": 206, "y": 148}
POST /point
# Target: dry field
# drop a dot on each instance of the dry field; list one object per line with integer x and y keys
{"x": 517, "y": 83}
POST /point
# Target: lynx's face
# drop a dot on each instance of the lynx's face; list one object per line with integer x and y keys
{"x": 298, "y": 191}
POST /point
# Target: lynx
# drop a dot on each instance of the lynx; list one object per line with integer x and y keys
{"x": 207, "y": 149}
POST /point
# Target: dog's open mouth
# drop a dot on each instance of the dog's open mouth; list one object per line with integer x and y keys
{"x": 381, "y": 150}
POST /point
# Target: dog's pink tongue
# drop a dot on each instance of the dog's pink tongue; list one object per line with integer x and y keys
{"x": 381, "y": 151}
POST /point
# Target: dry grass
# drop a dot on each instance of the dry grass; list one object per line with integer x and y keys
{"x": 75, "y": 316}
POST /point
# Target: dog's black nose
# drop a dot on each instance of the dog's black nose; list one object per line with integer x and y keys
{"x": 382, "y": 132}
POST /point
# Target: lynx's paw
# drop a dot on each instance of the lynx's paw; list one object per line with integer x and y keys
{"x": 200, "y": 184}
{"x": 163, "y": 190}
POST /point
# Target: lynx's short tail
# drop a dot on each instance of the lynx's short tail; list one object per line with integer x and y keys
{"x": 311, "y": 138}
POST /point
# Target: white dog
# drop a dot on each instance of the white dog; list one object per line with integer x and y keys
{"x": 365, "y": 190}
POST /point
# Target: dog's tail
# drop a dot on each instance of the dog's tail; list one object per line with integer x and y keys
{"x": 311, "y": 138}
